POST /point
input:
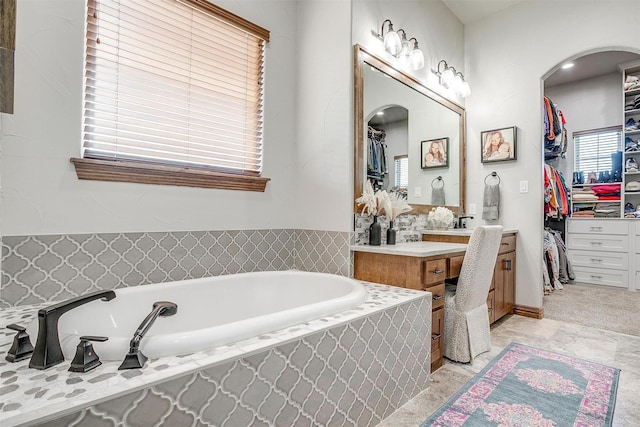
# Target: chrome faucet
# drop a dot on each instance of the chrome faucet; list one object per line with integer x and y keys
{"x": 135, "y": 359}
{"x": 48, "y": 351}
{"x": 461, "y": 222}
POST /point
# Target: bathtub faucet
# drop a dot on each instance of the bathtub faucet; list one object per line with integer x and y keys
{"x": 48, "y": 351}
{"x": 135, "y": 359}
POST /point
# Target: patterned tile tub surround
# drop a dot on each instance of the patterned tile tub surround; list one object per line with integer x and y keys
{"x": 353, "y": 368}
{"x": 38, "y": 269}
{"x": 408, "y": 228}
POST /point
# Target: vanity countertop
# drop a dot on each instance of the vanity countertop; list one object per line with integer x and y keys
{"x": 416, "y": 249}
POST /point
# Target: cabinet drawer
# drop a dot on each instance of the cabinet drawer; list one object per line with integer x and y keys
{"x": 615, "y": 243}
{"x": 437, "y": 334}
{"x": 507, "y": 244}
{"x": 491, "y": 306}
{"x": 435, "y": 271}
{"x": 600, "y": 276}
{"x": 437, "y": 293}
{"x": 598, "y": 226}
{"x": 599, "y": 259}
{"x": 455, "y": 265}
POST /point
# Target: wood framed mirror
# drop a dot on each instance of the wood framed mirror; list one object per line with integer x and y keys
{"x": 417, "y": 119}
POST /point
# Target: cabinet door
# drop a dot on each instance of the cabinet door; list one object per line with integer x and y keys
{"x": 504, "y": 278}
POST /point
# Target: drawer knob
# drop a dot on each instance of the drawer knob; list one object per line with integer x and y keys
{"x": 596, "y": 260}
{"x": 593, "y": 276}
{"x": 438, "y": 297}
{"x": 438, "y": 271}
{"x": 596, "y": 228}
{"x": 435, "y": 336}
{"x": 596, "y": 243}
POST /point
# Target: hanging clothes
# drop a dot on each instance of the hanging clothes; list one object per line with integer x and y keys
{"x": 377, "y": 164}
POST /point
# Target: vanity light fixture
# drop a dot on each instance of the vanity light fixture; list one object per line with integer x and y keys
{"x": 401, "y": 47}
{"x": 392, "y": 42}
{"x": 450, "y": 78}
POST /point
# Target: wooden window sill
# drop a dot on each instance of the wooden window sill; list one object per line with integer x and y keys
{"x": 144, "y": 173}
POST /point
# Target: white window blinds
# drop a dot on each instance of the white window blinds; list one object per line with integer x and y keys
{"x": 593, "y": 149}
{"x": 401, "y": 164}
{"x": 173, "y": 83}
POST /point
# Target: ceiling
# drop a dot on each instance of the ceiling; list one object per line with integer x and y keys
{"x": 586, "y": 67}
{"x": 468, "y": 11}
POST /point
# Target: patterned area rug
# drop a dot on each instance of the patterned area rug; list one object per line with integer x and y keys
{"x": 528, "y": 386}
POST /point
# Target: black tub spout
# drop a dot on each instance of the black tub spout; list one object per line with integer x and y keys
{"x": 48, "y": 351}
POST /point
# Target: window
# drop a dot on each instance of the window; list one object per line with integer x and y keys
{"x": 173, "y": 95}
{"x": 401, "y": 164}
{"x": 593, "y": 149}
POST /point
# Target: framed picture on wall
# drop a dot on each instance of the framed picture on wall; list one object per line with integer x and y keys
{"x": 499, "y": 144}
{"x": 434, "y": 153}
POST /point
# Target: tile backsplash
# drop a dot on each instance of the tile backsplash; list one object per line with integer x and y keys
{"x": 45, "y": 268}
{"x": 408, "y": 228}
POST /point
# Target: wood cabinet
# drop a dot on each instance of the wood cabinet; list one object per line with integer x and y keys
{"x": 422, "y": 273}
{"x": 501, "y": 299}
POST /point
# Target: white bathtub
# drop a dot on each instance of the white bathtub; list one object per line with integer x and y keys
{"x": 212, "y": 311}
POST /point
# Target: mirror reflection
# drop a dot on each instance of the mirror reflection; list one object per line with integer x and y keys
{"x": 411, "y": 139}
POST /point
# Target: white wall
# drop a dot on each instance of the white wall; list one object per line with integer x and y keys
{"x": 507, "y": 55}
{"x": 324, "y": 153}
{"x": 587, "y": 104}
{"x": 40, "y": 191}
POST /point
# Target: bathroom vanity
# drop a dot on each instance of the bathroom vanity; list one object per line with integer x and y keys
{"x": 501, "y": 299}
{"x": 426, "y": 265}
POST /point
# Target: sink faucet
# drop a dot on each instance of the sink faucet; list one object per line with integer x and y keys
{"x": 48, "y": 351}
{"x": 135, "y": 359}
{"x": 461, "y": 222}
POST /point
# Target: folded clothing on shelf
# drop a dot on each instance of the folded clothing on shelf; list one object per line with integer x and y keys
{"x": 631, "y": 83}
{"x": 632, "y": 186}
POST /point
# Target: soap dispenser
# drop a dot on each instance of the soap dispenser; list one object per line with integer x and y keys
{"x": 86, "y": 358}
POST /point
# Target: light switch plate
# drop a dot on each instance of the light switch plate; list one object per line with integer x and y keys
{"x": 472, "y": 208}
{"x": 418, "y": 192}
{"x": 524, "y": 186}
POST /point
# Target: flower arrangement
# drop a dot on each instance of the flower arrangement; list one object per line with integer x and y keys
{"x": 397, "y": 205}
{"x": 440, "y": 217}
{"x": 375, "y": 203}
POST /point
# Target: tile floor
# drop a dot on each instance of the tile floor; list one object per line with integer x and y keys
{"x": 611, "y": 348}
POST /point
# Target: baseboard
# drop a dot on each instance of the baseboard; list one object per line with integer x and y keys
{"x": 526, "y": 311}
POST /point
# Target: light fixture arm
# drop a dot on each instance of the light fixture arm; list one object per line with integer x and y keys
{"x": 389, "y": 28}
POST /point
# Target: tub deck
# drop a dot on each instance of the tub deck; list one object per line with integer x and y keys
{"x": 31, "y": 396}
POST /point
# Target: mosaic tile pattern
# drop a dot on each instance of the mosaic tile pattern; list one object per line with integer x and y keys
{"x": 408, "y": 228}
{"x": 57, "y": 267}
{"x": 323, "y": 251}
{"x": 353, "y": 374}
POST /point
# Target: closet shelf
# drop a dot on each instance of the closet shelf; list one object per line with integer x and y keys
{"x": 595, "y": 184}
{"x": 632, "y": 112}
{"x": 632, "y": 132}
{"x": 591, "y": 202}
{"x": 632, "y": 92}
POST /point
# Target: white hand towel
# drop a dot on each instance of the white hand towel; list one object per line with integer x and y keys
{"x": 491, "y": 202}
{"x": 437, "y": 196}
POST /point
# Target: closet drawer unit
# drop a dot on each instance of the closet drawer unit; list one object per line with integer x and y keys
{"x": 435, "y": 271}
{"x": 507, "y": 244}
{"x": 598, "y": 226}
{"x": 600, "y": 276}
{"x": 599, "y": 259}
{"x": 613, "y": 243}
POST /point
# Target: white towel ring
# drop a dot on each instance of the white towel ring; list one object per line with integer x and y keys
{"x": 436, "y": 180}
{"x": 492, "y": 174}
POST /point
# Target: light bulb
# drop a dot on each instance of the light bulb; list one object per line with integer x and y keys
{"x": 417, "y": 59}
{"x": 466, "y": 89}
{"x": 457, "y": 84}
{"x": 392, "y": 42}
{"x": 405, "y": 51}
{"x": 448, "y": 78}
